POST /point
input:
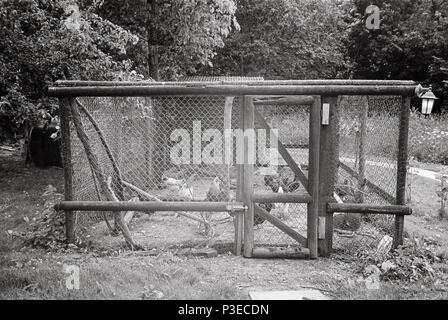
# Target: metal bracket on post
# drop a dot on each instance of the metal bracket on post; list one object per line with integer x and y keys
{"x": 321, "y": 228}
{"x": 325, "y": 114}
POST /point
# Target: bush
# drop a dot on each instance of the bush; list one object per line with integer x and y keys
{"x": 428, "y": 138}
{"x": 43, "y": 41}
{"x": 410, "y": 262}
{"x": 48, "y": 230}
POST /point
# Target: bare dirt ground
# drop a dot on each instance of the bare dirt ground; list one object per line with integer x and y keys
{"x": 108, "y": 271}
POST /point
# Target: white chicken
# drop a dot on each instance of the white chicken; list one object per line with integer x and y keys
{"x": 282, "y": 208}
{"x": 172, "y": 184}
{"x": 185, "y": 192}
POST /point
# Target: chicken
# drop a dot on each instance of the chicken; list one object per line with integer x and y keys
{"x": 282, "y": 207}
{"x": 216, "y": 191}
{"x": 280, "y": 180}
{"x": 172, "y": 184}
{"x": 185, "y": 192}
{"x": 281, "y": 183}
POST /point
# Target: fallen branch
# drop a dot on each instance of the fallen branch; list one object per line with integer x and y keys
{"x": 154, "y": 198}
{"x": 98, "y": 194}
{"x": 116, "y": 170}
{"x": 93, "y": 161}
{"x": 127, "y": 217}
{"x": 191, "y": 217}
{"x": 141, "y": 192}
{"x": 130, "y": 214}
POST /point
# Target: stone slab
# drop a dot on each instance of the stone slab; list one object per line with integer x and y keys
{"x": 302, "y": 294}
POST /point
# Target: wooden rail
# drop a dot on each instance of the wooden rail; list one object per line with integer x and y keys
{"x": 288, "y": 100}
{"x": 229, "y": 90}
{"x": 367, "y": 208}
{"x": 280, "y": 253}
{"x": 272, "y": 197}
{"x": 150, "y": 206}
{"x": 78, "y": 83}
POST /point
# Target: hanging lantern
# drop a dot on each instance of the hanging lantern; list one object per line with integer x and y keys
{"x": 428, "y": 101}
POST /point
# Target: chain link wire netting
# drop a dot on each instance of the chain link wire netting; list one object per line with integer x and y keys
{"x": 367, "y": 173}
{"x": 146, "y": 135}
{"x": 171, "y": 148}
{"x": 290, "y": 124}
{"x": 168, "y": 147}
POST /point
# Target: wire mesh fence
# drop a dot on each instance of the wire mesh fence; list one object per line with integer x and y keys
{"x": 290, "y": 124}
{"x": 367, "y": 173}
{"x": 165, "y": 146}
{"x": 172, "y": 148}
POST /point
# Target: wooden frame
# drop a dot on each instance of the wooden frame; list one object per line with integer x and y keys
{"x": 400, "y": 210}
{"x": 64, "y": 113}
{"x": 402, "y": 162}
{"x": 248, "y": 176}
{"x": 329, "y": 154}
{"x": 318, "y": 184}
{"x": 230, "y": 90}
{"x": 313, "y": 177}
{"x": 150, "y": 206}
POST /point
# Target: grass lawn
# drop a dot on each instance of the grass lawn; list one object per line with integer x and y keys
{"x": 114, "y": 273}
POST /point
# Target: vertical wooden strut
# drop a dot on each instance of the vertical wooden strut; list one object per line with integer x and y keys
{"x": 328, "y": 173}
{"x": 363, "y": 114}
{"x": 248, "y": 174}
{"x": 402, "y": 163}
{"x": 313, "y": 177}
{"x": 64, "y": 114}
{"x": 238, "y": 219}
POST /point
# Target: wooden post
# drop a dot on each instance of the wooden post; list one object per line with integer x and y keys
{"x": 226, "y": 155}
{"x": 443, "y": 194}
{"x": 362, "y": 148}
{"x": 148, "y": 136}
{"x": 66, "y": 153}
{"x": 402, "y": 163}
{"x": 238, "y": 219}
{"x": 248, "y": 174}
{"x": 328, "y": 172}
{"x": 313, "y": 178}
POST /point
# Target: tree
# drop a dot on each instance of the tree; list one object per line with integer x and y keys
{"x": 411, "y": 43}
{"x": 46, "y": 40}
{"x": 285, "y": 39}
{"x": 177, "y": 36}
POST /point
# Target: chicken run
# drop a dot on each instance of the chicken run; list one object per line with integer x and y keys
{"x": 121, "y": 157}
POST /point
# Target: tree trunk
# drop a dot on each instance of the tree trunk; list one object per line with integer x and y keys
{"x": 159, "y": 159}
{"x": 153, "y": 41}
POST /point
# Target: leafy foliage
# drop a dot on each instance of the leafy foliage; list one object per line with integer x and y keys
{"x": 410, "y": 262}
{"x": 286, "y": 39}
{"x": 46, "y": 40}
{"x": 185, "y": 34}
{"x": 48, "y": 230}
{"x": 415, "y": 260}
{"x": 411, "y": 42}
{"x": 428, "y": 137}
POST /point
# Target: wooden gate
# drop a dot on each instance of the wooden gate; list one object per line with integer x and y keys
{"x": 244, "y": 238}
